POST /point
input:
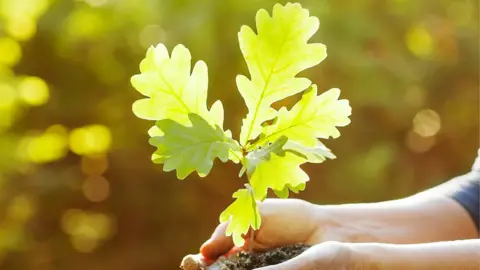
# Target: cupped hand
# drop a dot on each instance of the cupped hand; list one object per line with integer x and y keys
{"x": 326, "y": 256}
{"x": 284, "y": 222}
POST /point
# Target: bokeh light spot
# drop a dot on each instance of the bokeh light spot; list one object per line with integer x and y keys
{"x": 10, "y": 52}
{"x": 84, "y": 23}
{"x": 14, "y": 9}
{"x": 420, "y": 42}
{"x": 84, "y": 244}
{"x": 419, "y": 144}
{"x": 21, "y": 16}
{"x": 426, "y": 123}
{"x": 21, "y": 29}
{"x": 70, "y": 219}
{"x": 47, "y": 147}
{"x": 90, "y": 140}
{"x": 33, "y": 91}
{"x": 20, "y": 209}
{"x": 94, "y": 165}
{"x": 7, "y": 118}
{"x": 96, "y": 188}
{"x": 8, "y": 108}
{"x": 87, "y": 229}
{"x": 8, "y": 97}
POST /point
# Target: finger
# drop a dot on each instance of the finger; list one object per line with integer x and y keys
{"x": 194, "y": 261}
{"x": 218, "y": 244}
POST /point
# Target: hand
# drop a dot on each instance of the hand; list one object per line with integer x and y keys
{"x": 284, "y": 222}
{"x": 327, "y": 255}
{"x": 460, "y": 254}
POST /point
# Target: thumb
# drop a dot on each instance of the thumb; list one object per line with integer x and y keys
{"x": 218, "y": 244}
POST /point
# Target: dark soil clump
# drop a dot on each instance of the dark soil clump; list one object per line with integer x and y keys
{"x": 249, "y": 261}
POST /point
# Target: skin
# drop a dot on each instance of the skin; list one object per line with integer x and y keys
{"x": 464, "y": 254}
{"x": 417, "y": 232}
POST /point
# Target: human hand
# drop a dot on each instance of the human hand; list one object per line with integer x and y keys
{"x": 460, "y": 254}
{"x": 324, "y": 256}
{"x": 285, "y": 222}
{"x": 327, "y": 255}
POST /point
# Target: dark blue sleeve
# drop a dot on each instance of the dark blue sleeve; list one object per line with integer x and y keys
{"x": 469, "y": 194}
{"x": 469, "y": 197}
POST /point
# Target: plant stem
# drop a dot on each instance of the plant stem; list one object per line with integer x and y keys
{"x": 250, "y": 243}
{"x": 254, "y": 205}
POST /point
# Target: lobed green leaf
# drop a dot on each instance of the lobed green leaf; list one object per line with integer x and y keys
{"x": 274, "y": 57}
{"x": 278, "y": 173}
{"x": 172, "y": 91}
{"x": 191, "y": 148}
{"x": 312, "y": 118}
{"x": 241, "y": 215}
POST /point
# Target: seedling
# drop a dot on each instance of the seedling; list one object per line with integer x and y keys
{"x": 272, "y": 144}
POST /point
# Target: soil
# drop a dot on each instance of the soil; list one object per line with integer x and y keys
{"x": 248, "y": 261}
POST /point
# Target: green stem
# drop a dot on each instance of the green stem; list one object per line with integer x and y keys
{"x": 254, "y": 205}
{"x": 250, "y": 244}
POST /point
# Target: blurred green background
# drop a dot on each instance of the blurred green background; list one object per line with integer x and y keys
{"x": 77, "y": 187}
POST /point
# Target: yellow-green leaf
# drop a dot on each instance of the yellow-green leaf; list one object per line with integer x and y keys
{"x": 173, "y": 92}
{"x": 278, "y": 173}
{"x": 242, "y": 214}
{"x": 313, "y": 117}
{"x": 274, "y": 56}
{"x": 191, "y": 148}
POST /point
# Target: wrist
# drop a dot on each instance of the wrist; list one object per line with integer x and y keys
{"x": 405, "y": 221}
{"x": 375, "y": 256}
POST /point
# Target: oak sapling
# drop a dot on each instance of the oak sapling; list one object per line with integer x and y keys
{"x": 189, "y": 136}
